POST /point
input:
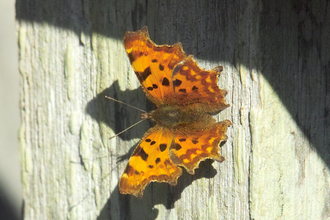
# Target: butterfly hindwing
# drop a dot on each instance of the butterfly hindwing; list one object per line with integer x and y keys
{"x": 150, "y": 162}
{"x": 190, "y": 147}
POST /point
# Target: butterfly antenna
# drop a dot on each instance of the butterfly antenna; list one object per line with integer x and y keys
{"x": 128, "y": 128}
{"x": 125, "y": 104}
{"x": 144, "y": 115}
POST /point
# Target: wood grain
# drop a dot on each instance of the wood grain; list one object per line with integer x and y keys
{"x": 276, "y": 70}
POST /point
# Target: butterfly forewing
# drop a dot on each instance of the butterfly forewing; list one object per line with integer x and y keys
{"x": 153, "y": 64}
{"x": 198, "y": 88}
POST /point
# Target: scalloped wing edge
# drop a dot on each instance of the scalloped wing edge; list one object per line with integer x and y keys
{"x": 217, "y": 157}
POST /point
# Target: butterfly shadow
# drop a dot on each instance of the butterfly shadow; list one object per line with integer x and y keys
{"x": 130, "y": 207}
{"x": 118, "y": 116}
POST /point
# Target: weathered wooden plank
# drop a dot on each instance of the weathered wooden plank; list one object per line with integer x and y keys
{"x": 276, "y": 75}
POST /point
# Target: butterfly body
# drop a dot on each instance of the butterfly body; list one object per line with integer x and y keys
{"x": 185, "y": 95}
{"x": 174, "y": 117}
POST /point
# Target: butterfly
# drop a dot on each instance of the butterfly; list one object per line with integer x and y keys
{"x": 185, "y": 132}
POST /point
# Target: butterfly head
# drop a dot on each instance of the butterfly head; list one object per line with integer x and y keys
{"x": 145, "y": 115}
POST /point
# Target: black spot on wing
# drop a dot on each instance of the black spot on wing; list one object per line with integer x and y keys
{"x": 165, "y": 82}
{"x": 154, "y": 86}
{"x": 147, "y": 140}
{"x": 142, "y": 153}
{"x": 161, "y": 67}
{"x": 162, "y": 147}
{"x": 157, "y": 160}
{"x": 144, "y": 75}
{"x": 177, "y": 82}
{"x": 177, "y": 146}
{"x": 130, "y": 57}
{"x": 154, "y": 61}
{"x": 194, "y": 141}
{"x": 195, "y": 88}
{"x": 182, "y": 90}
{"x": 153, "y": 142}
{"x": 182, "y": 139}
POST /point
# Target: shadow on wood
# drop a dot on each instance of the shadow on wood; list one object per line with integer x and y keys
{"x": 155, "y": 193}
{"x": 285, "y": 42}
{"x": 118, "y": 116}
{"x": 7, "y": 210}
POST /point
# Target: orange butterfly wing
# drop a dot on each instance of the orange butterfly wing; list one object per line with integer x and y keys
{"x": 190, "y": 147}
{"x": 150, "y": 162}
{"x": 153, "y": 64}
{"x": 198, "y": 88}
